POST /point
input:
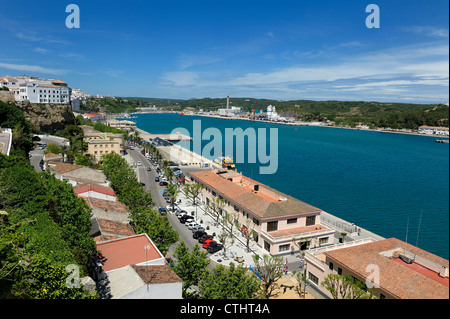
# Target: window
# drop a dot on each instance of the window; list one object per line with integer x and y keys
{"x": 339, "y": 271}
{"x": 310, "y": 220}
{"x": 256, "y": 221}
{"x": 323, "y": 240}
{"x": 382, "y": 296}
{"x": 313, "y": 278}
{"x": 331, "y": 265}
{"x": 292, "y": 221}
{"x": 284, "y": 247}
{"x": 272, "y": 226}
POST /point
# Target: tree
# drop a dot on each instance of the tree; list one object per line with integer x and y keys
{"x": 193, "y": 190}
{"x": 229, "y": 283}
{"x": 301, "y": 282}
{"x": 215, "y": 207}
{"x": 270, "y": 270}
{"x": 189, "y": 266}
{"x": 346, "y": 287}
{"x": 172, "y": 192}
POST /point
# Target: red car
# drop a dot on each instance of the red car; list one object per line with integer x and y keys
{"x": 208, "y": 242}
{"x": 204, "y": 237}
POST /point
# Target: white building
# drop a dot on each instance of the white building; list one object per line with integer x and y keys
{"x": 436, "y": 130}
{"x": 272, "y": 114}
{"x": 37, "y": 90}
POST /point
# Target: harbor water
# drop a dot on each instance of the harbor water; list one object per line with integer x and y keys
{"x": 379, "y": 181}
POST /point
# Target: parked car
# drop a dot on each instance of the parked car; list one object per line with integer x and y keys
{"x": 199, "y": 233}
{"x": 149, "y": 168}
{"x": 202, "y": 239}
{"x": 162, "y": 183}
{"x": 185, "y": 218}
{"x": 139, "y": 163}
{"x": 163, "y": 210}
{"x": 180, "y": 212}
{"x": 198, "y": 228}
{"x": 191, "y": 224}
{"x": 157, "y": 179}
{"x": 214, "y": 247}
{"x": 208, "y": 242}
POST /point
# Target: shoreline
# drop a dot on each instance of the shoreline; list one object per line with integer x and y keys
{"x": 380, "y": 130}
{"x": 178, "y": 153}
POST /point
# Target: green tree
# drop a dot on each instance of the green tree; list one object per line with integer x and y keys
{"x": 189, "y": 266}
{"x": 346, "y": 287}
{"x": 229, "y": 283}
{"x": 270, "y": 271}
{"x": 44, "y": 279}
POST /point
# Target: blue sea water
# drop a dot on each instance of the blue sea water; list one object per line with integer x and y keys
{"x": 376, "y": 180}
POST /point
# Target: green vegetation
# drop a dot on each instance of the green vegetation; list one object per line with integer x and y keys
{"x": 130, "y": 192}
{"x": 229, "y": 283}
{"x": 346, "y": 287}
{"x": 43, "y": 229}
{"x": 22, "y": 139}
{"x": 113, "y": 105}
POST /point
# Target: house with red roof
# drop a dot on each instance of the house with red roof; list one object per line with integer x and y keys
{"x": 393, "y": 268}
{"x": 134, "y": 268}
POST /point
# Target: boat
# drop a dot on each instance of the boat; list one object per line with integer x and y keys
{"x": 226, "y": 162}
{"x": 441, "y": 141}
{"x": 182, "y": 114}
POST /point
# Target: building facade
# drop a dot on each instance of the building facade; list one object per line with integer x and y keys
{"x": 277, "y": 222}
{"x": 37, "y": 90}
{"x": 391, "y": 267}
{"x": 104, "y": 143}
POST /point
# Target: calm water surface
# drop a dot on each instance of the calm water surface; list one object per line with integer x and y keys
{"x": 375, "y": 180}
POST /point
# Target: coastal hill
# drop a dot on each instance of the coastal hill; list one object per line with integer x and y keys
{"x": 374, "y": 114}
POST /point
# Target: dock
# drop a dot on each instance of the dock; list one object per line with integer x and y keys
{"x": 176, "y": 137}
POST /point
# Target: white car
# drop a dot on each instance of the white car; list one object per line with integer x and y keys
{"x": 191, "y": 224}
{"x": 181, "y": 214}
{"x": 198, "y": 228}
{"x": 139, "y": 163}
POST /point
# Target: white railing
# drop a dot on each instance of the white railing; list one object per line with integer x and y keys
{"x": 298, "y": 235}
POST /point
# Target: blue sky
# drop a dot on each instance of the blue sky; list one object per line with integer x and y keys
{"x": 285, "y": 50}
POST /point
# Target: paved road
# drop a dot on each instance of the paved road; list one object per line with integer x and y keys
{"x": 148, "y": 177}
{"x": 38, "y": 155}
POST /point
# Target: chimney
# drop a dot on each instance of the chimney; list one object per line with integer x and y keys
{"x": 228, "y": 102}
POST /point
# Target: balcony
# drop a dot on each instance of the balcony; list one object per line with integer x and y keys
{"x": 297, "y": 233}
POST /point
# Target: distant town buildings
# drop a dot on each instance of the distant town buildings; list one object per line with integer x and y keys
{"x": 37, "y": 90}
{"x": 122, "y": 125}
{"x": 436, "y": 130}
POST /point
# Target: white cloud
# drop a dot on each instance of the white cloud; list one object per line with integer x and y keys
{"x": 32, "y": 68}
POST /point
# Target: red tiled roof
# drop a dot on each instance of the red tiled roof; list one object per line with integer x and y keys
{"x": 80, "y": 189}
{"x": 114, "y": 228}
{"x": 62, "y": 168}
{"x": 264, "y": 203}
{"x": 395, "y": 278}
{"x": 106, "y": 204}
{"x": 157, "y": 274}
{"x": 134, "y": 250}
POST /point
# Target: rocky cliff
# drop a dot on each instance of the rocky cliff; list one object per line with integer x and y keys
{"x": 47, "y": 117}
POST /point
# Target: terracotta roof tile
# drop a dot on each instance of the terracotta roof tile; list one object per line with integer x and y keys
{"x": 395, "y": 278}
{"x": 157, "y": 274}
{"x": 265, "y": 202}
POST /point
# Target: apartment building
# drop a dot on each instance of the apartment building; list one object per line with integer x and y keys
{"x": 104, "y": 143}
{"x": 37, "y": 90}
{"x": 396, "y": 270}
{"x": 278, "y": 223}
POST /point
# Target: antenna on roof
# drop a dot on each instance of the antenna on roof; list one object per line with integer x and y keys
{"x": 406, "y": 240}
{"x": 418, "y": 229}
